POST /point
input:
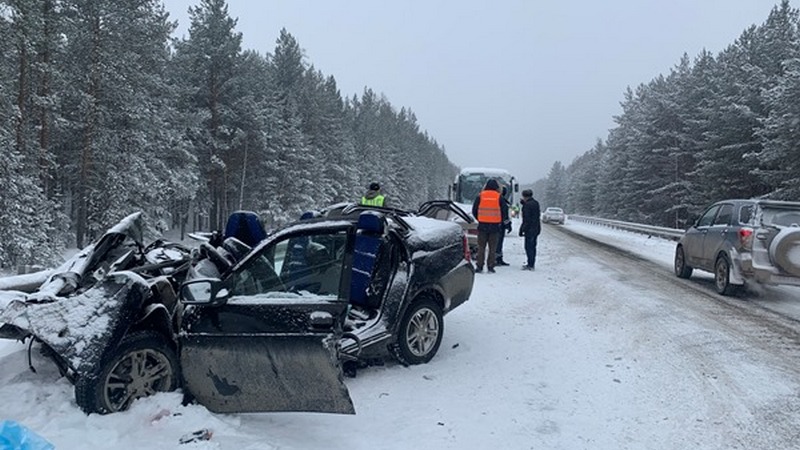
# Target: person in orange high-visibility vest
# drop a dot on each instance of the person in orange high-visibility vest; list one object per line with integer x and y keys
{"x": 490, "y": 212}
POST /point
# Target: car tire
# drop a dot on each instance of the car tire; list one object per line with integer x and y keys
{"x": 420, "y": 332}
{"x": 144, "y": 363}
{"x": 785, "y": 250}
{"x": 681, "y": 269}
{"x": 722, "y": 276}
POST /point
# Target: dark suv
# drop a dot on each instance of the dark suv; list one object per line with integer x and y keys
{"x": 246, "y": 329}
{"x": 743, "y": 241}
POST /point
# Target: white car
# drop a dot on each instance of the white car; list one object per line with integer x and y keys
{"x": 554, "y": 215}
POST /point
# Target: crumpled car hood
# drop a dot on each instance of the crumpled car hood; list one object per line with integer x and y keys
{"x": 79, "y": 328}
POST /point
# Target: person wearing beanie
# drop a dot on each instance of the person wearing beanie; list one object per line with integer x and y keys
{"x": 490, "y": 212}
{"x": 531, "y": 227}
{"x": 373, "y": 196}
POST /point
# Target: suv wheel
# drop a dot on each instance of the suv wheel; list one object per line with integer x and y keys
{"x": 681, "y": 269}
{"x": 144, "y": 363}
{"x": 785, "y": 250}
{"x": 722, "y": 276}
{"x": 420, "y": 333}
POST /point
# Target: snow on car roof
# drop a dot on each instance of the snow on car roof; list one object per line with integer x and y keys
{"x": 432, "y": 230}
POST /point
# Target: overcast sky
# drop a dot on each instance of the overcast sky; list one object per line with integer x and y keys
{"x": 516, "y": 84}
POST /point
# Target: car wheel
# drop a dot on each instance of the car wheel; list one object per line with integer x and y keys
{"x": 420, "y": 332}
{"x": 681, "y": 269}
{"x": 144, "y": 363}
{"x": 722, "y": 276}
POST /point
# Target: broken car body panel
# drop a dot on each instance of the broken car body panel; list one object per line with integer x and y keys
{"x": 268, "y": 337}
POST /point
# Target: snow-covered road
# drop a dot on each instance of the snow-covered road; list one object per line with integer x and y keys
{"x": 591, "y": 351}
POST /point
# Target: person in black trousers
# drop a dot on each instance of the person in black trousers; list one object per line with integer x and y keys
{"x": 530, "y": 228}
{"x": 490, "y": 210}
{"x": 505, "y": 227}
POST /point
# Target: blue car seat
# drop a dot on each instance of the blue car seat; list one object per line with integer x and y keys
{"x": 246, "y": 227}
{"x": 296, "y": 263}
{"x": 369, "y": 236}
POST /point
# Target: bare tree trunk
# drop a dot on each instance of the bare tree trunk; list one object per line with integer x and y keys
{"x": 216, "y": 187}
{"x": 88, "y": 135}
{"x": 44, "y": 92}
{"x": 244, "y": 173}
{"x": 22, "y": 93}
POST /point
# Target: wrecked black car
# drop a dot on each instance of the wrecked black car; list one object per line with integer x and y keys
{"x": 246, "y": 328}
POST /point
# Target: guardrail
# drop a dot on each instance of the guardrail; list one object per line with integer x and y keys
{"x": 662, "y": 232}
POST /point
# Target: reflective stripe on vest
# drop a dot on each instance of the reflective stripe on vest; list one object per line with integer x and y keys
{"x": 489, "y": 207}
{"x": 375, "y": 201}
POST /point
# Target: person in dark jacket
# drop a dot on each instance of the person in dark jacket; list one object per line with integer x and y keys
{"x": 505, "y": 227}
{"x": 531, "y": 227}
{"x": 489, "y": 210}
{"x": 373, "y": 196}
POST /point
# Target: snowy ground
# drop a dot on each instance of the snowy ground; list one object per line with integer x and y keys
{"x": 584, "y": 353}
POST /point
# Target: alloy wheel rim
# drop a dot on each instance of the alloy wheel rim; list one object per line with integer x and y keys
{"x": 422, "y": 332}
{"x": 138, "y": 374}
{"x": 722, "y": 274}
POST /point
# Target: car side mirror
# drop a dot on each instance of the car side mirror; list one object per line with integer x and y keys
{"x": 204, "y": 291}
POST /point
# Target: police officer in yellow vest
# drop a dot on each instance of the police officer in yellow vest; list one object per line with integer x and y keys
{"x": 373, "y": 197}
{"x": 491, "y": 212}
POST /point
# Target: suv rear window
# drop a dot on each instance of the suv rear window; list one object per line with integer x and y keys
{"x": 782, "y": 217}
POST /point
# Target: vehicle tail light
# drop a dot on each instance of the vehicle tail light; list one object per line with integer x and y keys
{"x": 473, "y": 231}
{"x": 465, "y": 243}
{"x": 746, "y": 238}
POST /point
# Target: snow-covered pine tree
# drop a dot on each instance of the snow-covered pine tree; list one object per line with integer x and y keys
{"x": 207, "y": 67}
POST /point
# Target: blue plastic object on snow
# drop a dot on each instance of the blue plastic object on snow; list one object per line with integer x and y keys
{"x": 14, "y": 436}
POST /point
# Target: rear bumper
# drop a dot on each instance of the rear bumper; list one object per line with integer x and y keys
{"x": 750, "y": 270}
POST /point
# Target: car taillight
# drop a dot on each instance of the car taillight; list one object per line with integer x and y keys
{"x": 467, "y": 254}
{"x": 473, "y": 231}
{"x": 746, "y": 238}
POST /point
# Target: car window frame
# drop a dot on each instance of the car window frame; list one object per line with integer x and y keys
{"x": 720, "y": 211}
{"x": 750, "y": 208}
{"x": 267, "y": 251}
{"x": 711, "y": 212}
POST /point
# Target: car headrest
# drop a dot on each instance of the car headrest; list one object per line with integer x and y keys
{"x": 370, "y": 222}
{"x": 246, "y": 227}
{"x": 236, "y": 248}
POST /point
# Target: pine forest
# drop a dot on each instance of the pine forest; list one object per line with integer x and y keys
{"x": 104, "y": 113}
